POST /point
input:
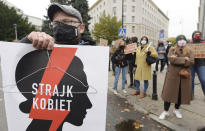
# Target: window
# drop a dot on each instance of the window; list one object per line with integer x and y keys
{"x": 133, "y": 0}
{"x": 114, "y": 1}
{"x": 133, "y": 8}
{"x": 114, "y": 11}
{"x": 133, "y": 18}
{"x": 124, "y": 0}
{"x": 133, "y": 29}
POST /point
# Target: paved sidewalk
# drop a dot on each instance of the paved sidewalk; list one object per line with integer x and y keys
{"x": 193, "y": 115}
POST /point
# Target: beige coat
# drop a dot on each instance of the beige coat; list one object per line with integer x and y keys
{"x": 143, "y": 70}
{"x": 173, "y": 81}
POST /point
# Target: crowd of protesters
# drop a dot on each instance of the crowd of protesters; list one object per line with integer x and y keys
{"x": 180, "y": 74}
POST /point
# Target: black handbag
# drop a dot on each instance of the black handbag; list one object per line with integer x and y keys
{"x": 150, "y": 60}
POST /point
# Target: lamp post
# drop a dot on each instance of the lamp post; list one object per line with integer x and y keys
{"x": 15, "y": 27}
{"x": 122, "y": 13}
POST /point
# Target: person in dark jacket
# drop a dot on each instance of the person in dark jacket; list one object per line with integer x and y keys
{"x": 161, "y": 55}
{"x": 119, "y": 59}
{"x": 199, "y": 66}
{"x": 169, "y": 45}
{"x": 131, "y": 62}
{"x": 68, "y": 27}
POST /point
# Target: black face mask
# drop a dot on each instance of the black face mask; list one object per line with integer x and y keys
{"x": 64, "y": 33}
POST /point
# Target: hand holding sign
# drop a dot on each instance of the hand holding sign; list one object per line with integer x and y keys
{"x": 41, "y": 40}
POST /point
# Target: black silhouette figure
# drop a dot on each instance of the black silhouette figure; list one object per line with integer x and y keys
{"x": 36, "y": 60}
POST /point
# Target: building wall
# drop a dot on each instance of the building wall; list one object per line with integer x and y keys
{"x": 201, "y": 21}
{"x": 37, "y": 22}
{"x": 141, "y": 17}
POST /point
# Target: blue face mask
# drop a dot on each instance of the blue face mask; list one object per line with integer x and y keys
{"x": 143, "y": 42}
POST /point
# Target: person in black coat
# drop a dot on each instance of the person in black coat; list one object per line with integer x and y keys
{"x": 119, "y": 59}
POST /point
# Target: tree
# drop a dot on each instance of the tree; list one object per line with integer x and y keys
{"x": 46, "y": 26}
{"x": 107, "y": 28}
{"x": 9, "y": 17}
{"x": 81, "y": 6}
{"x": 172, "y": 40}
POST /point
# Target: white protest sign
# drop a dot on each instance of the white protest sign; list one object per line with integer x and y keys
{"x": 64, "y": 89}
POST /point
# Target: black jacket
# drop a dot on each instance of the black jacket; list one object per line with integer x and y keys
{"x": 119, "y": 59}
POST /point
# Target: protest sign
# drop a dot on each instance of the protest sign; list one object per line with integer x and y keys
{"x": 130, "y": 48}
{"x": 64, "y": 89}
{"x": 198, "y": 50}
{"x": 103, "y": 42}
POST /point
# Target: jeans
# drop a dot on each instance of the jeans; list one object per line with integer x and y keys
{"x": 117, "y": 75}
{"x": 146, "y": 84}
{"x": 200, "y": 70}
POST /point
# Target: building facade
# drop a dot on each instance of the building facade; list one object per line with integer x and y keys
{"x": 141, "y": 17}
{"x": 37, "y": 22}
{"x": 201, "y": 21}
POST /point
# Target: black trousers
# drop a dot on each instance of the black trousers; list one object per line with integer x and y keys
{"x": 131, "y": 67}
{"x": 162, "y": 64}
{"x": 167, "y": 104}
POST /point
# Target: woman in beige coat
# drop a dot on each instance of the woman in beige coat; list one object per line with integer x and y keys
{"x": 143, "y": 70}
{"x": 177, "y": 88}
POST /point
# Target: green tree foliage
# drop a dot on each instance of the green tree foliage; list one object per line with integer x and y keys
{"x": 107, "y": 28}
{"x": 9, "y": 17}
{"x": 46, "y": 26}
{"x": 172, "y": 40}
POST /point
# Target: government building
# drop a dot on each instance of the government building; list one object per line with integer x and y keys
{"x": 141, "y": 17}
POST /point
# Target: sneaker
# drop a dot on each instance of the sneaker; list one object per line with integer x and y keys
{"x": 177, "y": 113}
{"x": 164, "y": 115}
{"x": 115, "y": 92}
{"x": 124, "y": 91}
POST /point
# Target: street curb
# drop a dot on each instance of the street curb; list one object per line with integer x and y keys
{"x": 155, "y": 117}
{"x": 168, "y": 124}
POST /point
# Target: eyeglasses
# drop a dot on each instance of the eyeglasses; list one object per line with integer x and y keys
{"x": 68, "y": 22}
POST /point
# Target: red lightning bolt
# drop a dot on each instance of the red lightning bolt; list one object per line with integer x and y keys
{"x": 60, "y": 57}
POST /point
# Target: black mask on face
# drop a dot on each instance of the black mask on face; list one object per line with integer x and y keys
{"x": 65, "y": 33}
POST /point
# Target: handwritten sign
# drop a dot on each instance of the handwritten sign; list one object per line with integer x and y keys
{"x": 198, "y": 50}
{"x": 131, "y": 48}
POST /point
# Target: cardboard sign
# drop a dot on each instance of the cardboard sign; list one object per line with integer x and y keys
{"x": 198, "y": 50}
{"x": 103, "y": 42}
{"x": 54, "y": 90}
{"x": 130, "y": 48}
